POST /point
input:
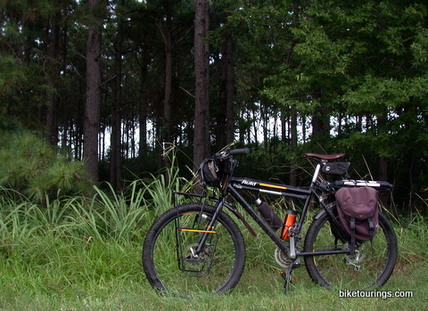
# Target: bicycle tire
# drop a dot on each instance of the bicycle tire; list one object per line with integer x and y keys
{"x": 376, "y": 264}
{"x": 166, "y": 252}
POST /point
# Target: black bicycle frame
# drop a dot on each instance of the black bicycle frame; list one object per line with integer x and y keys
{"x": 235, "y": 184}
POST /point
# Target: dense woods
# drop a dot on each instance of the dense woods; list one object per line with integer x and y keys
{"x": 115, "y": 82}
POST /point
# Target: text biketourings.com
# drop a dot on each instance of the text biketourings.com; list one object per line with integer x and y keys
{"x": 384, "y": 294}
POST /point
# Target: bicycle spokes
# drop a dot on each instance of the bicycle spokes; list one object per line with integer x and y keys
{"x": 369, "y": 266}
{"x": 184, "y": 256}
{"x": 191, "y": 260}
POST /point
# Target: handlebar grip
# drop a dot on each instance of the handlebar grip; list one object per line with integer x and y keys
{"x": 239, "y": 151}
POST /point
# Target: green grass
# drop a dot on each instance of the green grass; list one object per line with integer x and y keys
{"x": 79, "y": 254}
{"x": 51, "y": 271}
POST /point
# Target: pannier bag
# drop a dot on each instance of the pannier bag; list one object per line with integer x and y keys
{"x": 358, "y": 211}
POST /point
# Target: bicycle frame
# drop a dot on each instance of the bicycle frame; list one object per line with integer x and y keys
{"x": 233, "y": 186}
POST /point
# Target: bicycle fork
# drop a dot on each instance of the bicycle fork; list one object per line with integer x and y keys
{"x": 208, "y": 230}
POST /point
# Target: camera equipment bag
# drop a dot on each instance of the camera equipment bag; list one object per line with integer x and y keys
{"x": 358, "y": 212}
{"x": 208, "y": 172}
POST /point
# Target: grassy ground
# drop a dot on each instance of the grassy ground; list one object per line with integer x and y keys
{"x": 80, "y": 255}
{"x": 64, "y": 273}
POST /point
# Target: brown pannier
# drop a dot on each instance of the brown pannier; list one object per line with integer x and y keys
{"x": 358, "y": 211}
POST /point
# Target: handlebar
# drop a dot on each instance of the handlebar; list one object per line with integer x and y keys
{"x": 230, "y": 152}
{"x": 239, "y": 151}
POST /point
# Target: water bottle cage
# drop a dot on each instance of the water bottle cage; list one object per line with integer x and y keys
{"x": 294, "y": 231}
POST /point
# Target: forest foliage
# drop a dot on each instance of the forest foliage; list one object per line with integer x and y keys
{"x": 285, "y": 77}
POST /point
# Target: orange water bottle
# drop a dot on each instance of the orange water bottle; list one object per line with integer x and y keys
{"x": 289, "y": 220}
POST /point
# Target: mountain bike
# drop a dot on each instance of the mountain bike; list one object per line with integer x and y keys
{"x": 198, "y": 247}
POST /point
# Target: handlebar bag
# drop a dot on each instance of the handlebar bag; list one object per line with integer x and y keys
{"x": 208, "y": 173}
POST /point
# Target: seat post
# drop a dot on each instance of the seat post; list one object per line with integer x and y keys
{"x": 316, "y": 173}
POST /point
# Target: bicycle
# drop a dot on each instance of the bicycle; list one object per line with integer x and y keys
{"x": 198, "y": 247}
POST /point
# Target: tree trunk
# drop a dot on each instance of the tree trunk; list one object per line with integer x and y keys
{"x": 225, "y": 132}
{"x": 93, "y": 93}
{"x": 383, "y": 163}
{"x": 144, "y": 96}
{"x": 167, "y": 112}
{"x": 255, "y": 127}
{"x": 116, "y": 155}
{"x": 167, "y": 106}
{"x": 229, "y": 89}
{"x": 339, "y": 126}
{"x": 143, "y": 120}
{"x": 265, "y": 124}
{"x": 321, "y": 124}
{"x": 201, "y": 139}
{"x": 51, "y": 132}
{"x": 284, "y": 125}
{"x": 294, "y": 140}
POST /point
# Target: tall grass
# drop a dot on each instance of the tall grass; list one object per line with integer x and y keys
{"x": 106, "y": 216}
{"x": 160, "y": 189}
{"x": 74, "y": 246}
{"x": 109, "y": 215}
{"x": 75, "y": 253}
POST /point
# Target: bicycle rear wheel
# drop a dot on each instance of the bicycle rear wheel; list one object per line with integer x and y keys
{"x": 371, "y": 268}
{"x": 169, "y": 258}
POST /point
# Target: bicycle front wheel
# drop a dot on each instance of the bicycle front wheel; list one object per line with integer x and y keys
{"x": 370, "y": 268}
{"x": 170, "y": 257}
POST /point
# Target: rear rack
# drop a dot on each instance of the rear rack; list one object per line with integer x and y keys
{"x": 381, "y": 185}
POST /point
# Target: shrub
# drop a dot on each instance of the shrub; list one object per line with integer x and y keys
{"x": 32, "y": 167}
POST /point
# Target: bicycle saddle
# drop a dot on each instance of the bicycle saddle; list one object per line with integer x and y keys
{"x": 325, "y": 156}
